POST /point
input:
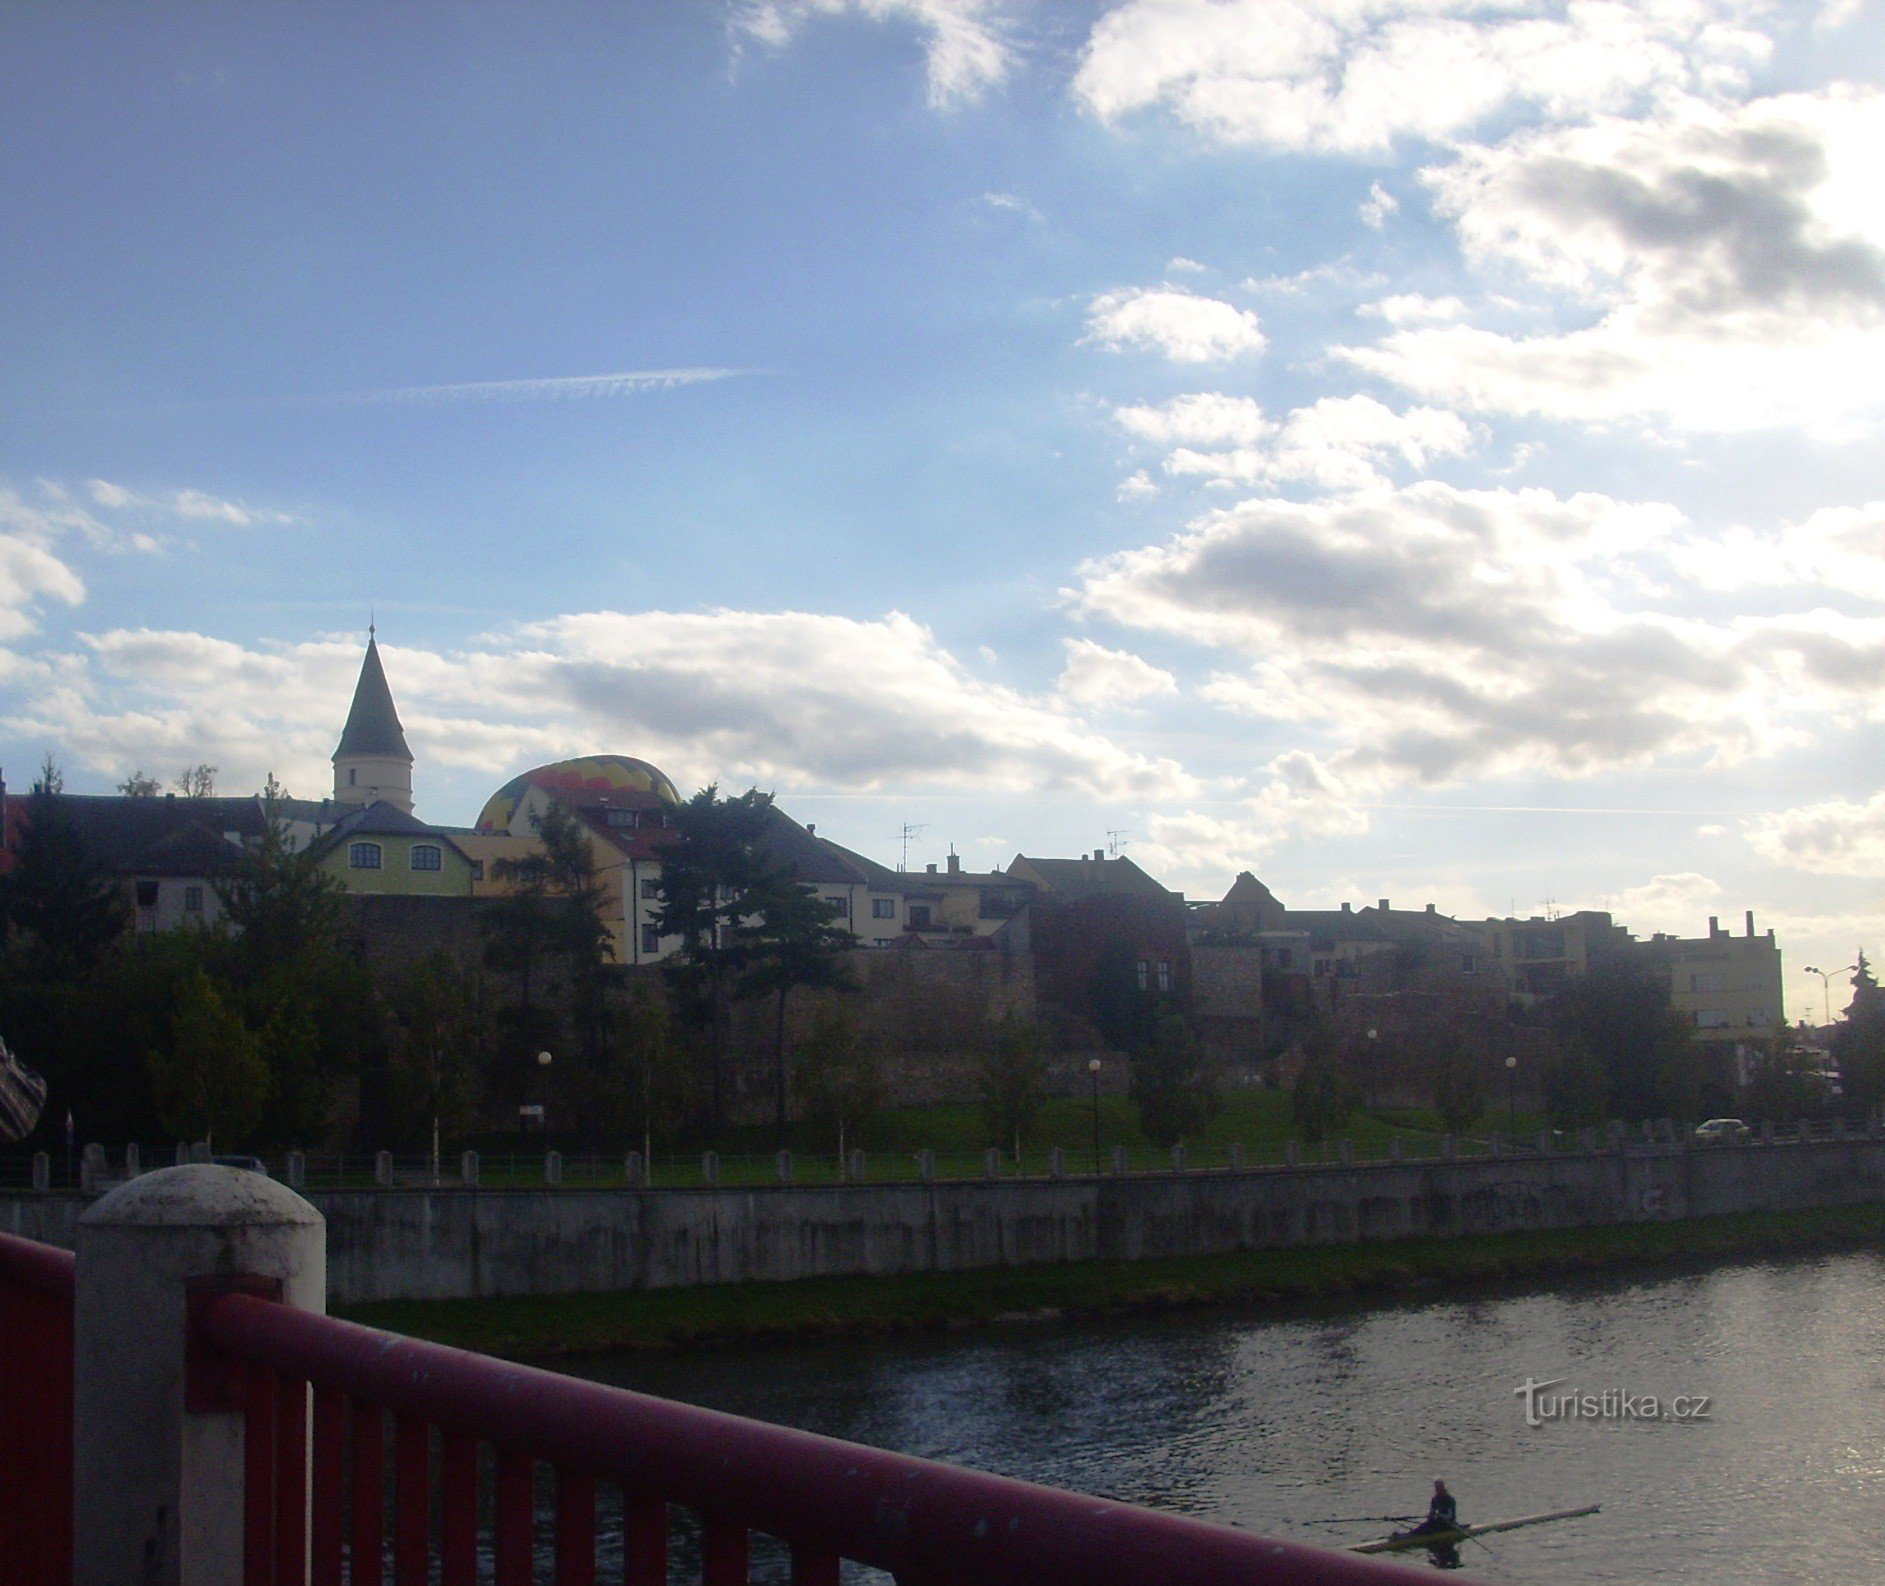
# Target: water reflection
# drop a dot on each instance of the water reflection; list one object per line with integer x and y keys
{"x": 1276, "y": 1422}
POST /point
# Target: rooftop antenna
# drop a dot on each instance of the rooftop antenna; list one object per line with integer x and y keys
{"x": 1113, "y": 844}
{"x": 910, "y": 829}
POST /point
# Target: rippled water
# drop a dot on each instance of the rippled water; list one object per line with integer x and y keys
{"x": 1274, "y": 1422}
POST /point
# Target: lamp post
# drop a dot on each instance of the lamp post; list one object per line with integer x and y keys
{"x": 1093, "y": 1073}
{"x": 1826, "y": 984}
{"x": 1511, "y": 1098}
{"x": 543, "y": 1064}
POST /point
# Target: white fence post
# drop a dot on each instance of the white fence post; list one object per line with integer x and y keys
{"x": 468, "y": 1169}
{"x": 157, "y": 1488}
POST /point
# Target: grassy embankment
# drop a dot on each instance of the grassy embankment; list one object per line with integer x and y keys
{"x": 824, "y": 1307}
{"x": 1257, "y": 1120}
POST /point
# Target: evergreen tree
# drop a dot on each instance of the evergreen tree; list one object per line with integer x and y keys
{"x": 1617, "y": 1020}
{"x": 61, "y": 908}
{"x": 791, "y": 940}
{"x": 1320, "y": 1100}
{"x": 1859, "y": 1042}
{"x": 648, "y": 1091}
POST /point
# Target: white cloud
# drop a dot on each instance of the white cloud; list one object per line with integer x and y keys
{"x": 780, "y": 699}
{"x": 1299, "y": 797}
{"x": 1729, "y": 262}
{"x": 1678, "y": 904}
{"x": 1377, "y": 207}
{"x": 1435, "y": 633}
{"x": 190, "y": 505}
{"x": 1136, "y": 486}
{"x": 1181, "y": 325}
{"x": 1837, "y": 838}
{"x": 1102, "y": 678}
{"x": 966, "y": 50}
{"x": 1360, "y": 75}
{"x": 1411, "y": 308}
{"x": 1337, "y": 443}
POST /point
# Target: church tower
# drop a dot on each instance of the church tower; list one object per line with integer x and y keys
{"x": 372, "y": 761}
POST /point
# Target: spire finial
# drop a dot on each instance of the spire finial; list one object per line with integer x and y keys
{"x": 372, "y": 624}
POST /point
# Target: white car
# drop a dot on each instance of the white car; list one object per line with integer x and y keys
{"x": 1723, "y": 1131}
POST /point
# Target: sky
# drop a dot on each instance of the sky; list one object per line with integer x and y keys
{"x": 1421, "y": 449}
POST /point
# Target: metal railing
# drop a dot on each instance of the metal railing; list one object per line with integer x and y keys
{"x": 319, "y": 1394}
{"x": 37, "y": 1284}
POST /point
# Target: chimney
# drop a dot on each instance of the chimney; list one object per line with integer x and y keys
{"x": 810, "y": 829}
{"x": 931, "y": 869}
{"x": 1714, "y": 926}
{"x": 1347, "y": 908}
{"x": 1430, "y": 908}
{"x": 1750, "y": 922}
{"x": 1099, "y": 853}
{"x": 955, "y": 864}
{"x": 1382, "y": 905}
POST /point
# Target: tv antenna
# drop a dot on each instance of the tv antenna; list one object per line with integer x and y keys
{"x": 1113, "y": 844}
{"x": 910, "y": 829}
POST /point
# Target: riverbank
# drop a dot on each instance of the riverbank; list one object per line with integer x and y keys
{"x": 543, "y": 1328}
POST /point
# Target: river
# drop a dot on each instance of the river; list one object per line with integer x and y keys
{"x": 1278, "y": 1421}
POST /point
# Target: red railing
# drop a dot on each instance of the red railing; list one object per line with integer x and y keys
{"x": 36, "y": 1290}
{"x": 319, "y": 1393}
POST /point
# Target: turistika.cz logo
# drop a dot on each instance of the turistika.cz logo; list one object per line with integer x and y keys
{"x": 1608, "y": 1404}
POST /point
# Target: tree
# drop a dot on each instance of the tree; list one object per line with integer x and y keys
{"x": 58, "y": 899}
{"x": 1459, "y": 1087}
{"x": 139, "y": 786}
{"x": 1617, "y": 1020}
{"x": 717, "y": 892}
{"x": 209, "y": 1078}
{"x": 197, "y": 781}
{"x": 1858, "y": 1042}
{"x": 1786, "y": 1084}
{"x": 432, "y": 1085}
{"x": 1174, "y": 1083}
{"x": 840, "y": 1074}
{"x": 1014, "y": 1082}
{"x": 51, "y": 779}
{"x": 647, "y": 1092}
{"x": 792, "y": 940}
{"x": 280, "y": 900}
{"x": 1321, "y": 1100}
{"x": 552, "y": 909}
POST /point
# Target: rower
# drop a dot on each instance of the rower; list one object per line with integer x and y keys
{"x": 1443, "y": 1513}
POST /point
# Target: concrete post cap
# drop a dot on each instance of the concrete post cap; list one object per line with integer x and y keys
{"x": 200, "y": 1196}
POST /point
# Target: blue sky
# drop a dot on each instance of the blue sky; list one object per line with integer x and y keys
{"x": 1410, "y": 448}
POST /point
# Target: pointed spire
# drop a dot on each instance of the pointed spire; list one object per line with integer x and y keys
{"x": 372, "y": 722}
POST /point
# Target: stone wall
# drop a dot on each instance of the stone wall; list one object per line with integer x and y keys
{"x": 435, "y": 1244}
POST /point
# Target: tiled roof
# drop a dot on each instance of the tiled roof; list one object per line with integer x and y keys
{"x": 372, "y": 722}
{"x": 122, "y": 830}
{"x": 1086, "y": 878}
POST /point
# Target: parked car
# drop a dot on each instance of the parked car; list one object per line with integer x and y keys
{"x": 1722, "y": 1131}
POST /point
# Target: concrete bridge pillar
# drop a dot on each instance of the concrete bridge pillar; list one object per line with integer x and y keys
{"x": 157, "y": 1487}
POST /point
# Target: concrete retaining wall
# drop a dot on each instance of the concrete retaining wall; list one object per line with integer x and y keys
{"x": 451, "y": 1243}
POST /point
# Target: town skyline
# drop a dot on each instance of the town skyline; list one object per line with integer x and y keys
{"x": 1041, "y": 425}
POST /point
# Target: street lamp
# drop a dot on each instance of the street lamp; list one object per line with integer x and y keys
{"x": 543, "y": 1063}
{"x": 1093, "y": 1073}
{"x": 1826, "y": 982}
{"x": 1511, "y": 1098}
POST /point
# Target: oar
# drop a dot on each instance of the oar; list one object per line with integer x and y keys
{"x": 1360, "y": 1519}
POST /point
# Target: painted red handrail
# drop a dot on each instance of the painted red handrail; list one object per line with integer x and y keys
{"x": 37, "y": 1283}
{"x": 927, "y": 1523}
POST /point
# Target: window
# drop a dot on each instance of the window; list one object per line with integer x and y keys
{"x": 883, "y": 908}
{"x": 1145, "y": 975}
{"x": 1468, "y": 964}
{"x": 147, "y": 894}
{"x": 650, "y": 937}
{"x": 427, "y": 856}
{"x": 919, "y": 916}
{"x": 1164, "y": 975}
{"x": 651, "y": 891}
{"x": 622, "y": 819}
{"x": 363, "y": 856}
{"x": 192, "y": 900}
{"x": 1285, "y": 959}
{"x": 1713, "y": 1019}
{"x": 353, "y": 776}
